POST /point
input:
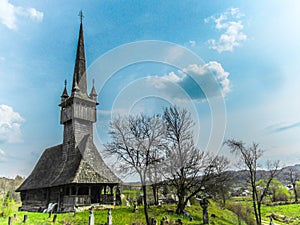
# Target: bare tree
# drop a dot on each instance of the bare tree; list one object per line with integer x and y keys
{"x": 135, "y": 142}
{"x": 156, "y": 179}
{"x": 249, "y": 157}
{"x": 220, "y": 180}
{"x": 184, "y": 161}
{"x": 292, "y": 176}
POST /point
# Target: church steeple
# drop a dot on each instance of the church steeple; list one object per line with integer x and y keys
{"x": 79, "y": 76}
{"x": 93, "y": 94}
{"x": 64, "y": 95}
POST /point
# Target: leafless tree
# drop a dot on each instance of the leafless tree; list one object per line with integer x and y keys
{"x": 249, "y": 157}
{"x": 220, "y": 180}
{"x": 136, "y": 142}
{"x": 184, "y": 163}
{"x": 292, "y": 176}
{"x": 156, "y": 179}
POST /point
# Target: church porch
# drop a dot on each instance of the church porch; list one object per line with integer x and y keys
{"x": 79, "y": 195}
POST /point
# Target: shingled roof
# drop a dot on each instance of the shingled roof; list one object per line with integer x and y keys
{"x": 55, "y": 167}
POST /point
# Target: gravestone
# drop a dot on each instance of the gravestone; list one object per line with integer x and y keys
{"x": 188, "y": 204}
{"x": 91, "y": 217}
{"x": 135, "y": 209}
{"x": 109, "y": 217}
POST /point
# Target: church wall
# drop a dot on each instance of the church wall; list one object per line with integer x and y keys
{"x": 34, "y": 200}
{"x": 54, "y": 195}
{"x": 82, "y": 128}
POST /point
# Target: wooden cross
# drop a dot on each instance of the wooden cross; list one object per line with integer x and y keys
{"x": 81, "y": 16}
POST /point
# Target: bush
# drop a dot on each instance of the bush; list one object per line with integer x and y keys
{"x": 282, "y": 194}
{"x": 7, "y": 205}
{"x": 244, "y": 213}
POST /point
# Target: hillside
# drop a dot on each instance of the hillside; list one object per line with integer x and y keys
{"x": 8, "y": 186}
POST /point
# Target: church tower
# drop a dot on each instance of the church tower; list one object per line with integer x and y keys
{"x": 78, "y": 111}
{"x": 73, "y": 173}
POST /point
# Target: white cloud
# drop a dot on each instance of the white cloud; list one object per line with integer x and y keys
{"x": 211, "y": 68}
{"x": 10, "y": 13}
{"x": 7, "y": 14}
{"x": 192, "y": 43}
{"x": 10, "y": 125}
{"x": 2, "y": 155}
{"x": 35, "y": 15}
{"x": 189, "y": 86}
{"x": 232, "y": 26}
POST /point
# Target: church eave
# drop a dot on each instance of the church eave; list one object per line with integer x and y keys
{"x": 75, "y": 99}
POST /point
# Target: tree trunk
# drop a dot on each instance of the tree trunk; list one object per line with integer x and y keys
{"x": 223, "y": 197}
{"x": 204, "y": 204}
{"x": 295, "y": 192}
{"x": 180, "y": 205}
{"x": 155, "y": 194}
{"x": 145, "y": 204}
{"x": 205, "y": 215}
{"x": 254, "y": 203}
{"x": 259, "y": 213}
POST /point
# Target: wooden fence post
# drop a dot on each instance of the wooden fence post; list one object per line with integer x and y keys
{"x": 9, "y": 220}
{"x": 25, "y": 218}
{"x": 54, "y": 218}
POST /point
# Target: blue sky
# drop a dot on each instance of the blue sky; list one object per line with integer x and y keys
{"x": 250, "y": 48}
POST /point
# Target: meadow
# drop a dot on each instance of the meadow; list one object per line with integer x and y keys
{"x": 124, "y": 215}
{"x": 237, "y": 211}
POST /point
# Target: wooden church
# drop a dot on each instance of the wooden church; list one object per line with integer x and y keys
{"x": 73, "y": 173}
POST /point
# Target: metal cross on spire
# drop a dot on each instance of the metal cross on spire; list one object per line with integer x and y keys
{"x": 81, "y": 16}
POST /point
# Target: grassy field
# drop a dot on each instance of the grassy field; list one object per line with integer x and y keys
{"x": 125, "y": 215}
{"x": 282, "y": 214}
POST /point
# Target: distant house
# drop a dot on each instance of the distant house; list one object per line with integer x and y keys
{"x": 73, "y": 173}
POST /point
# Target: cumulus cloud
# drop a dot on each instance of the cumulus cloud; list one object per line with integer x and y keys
{"x": 9, "y": 14}
{"x": 10, "y": 125}
{"x": 185, "y": 79}
{"x": 231, "y": 24}
{"x": 212, "y": 68}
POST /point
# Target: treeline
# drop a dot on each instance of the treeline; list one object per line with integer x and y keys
{"x": 8, "y": 187}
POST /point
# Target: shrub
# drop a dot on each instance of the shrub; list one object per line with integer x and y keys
{"x": 7, "y": 205}
{"x": 244, "y": 213}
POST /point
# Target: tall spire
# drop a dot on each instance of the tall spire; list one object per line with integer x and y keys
{"x": 79, "y": 76}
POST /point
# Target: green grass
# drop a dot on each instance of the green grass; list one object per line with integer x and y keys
{"x": 125, "y": 215}
{"x": 284, "y": 214}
